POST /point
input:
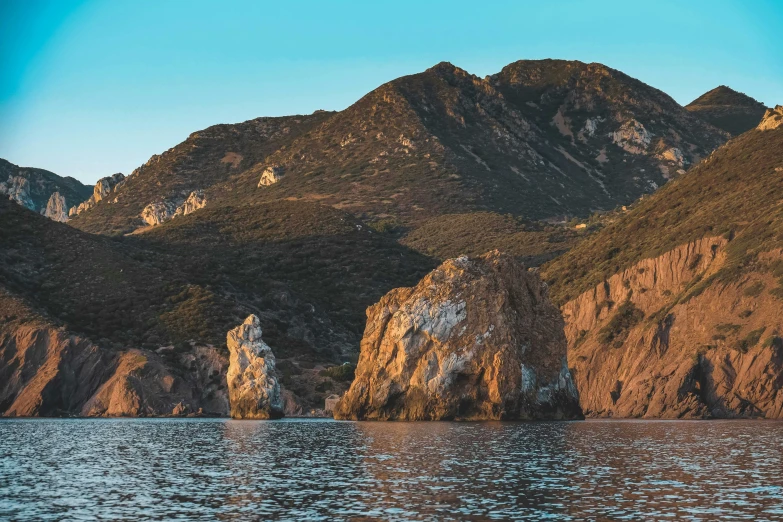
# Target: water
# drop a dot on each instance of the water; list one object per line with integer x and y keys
{"x": 135, "y": 469}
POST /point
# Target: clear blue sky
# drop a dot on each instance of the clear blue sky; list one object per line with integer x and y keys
{"x": 88, "y": 88}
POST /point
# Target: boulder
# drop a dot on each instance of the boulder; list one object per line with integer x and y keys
{"x": 476, "y": 339}
{"x": 253, "y": 388}
{"x": 270, "y": 176}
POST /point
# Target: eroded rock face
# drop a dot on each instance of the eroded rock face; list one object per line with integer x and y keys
{"x": 158, "y": 212}
{"x": 270, "y": 176}
{"x": 102, "y": 189}
{"x": 651, "y": 343}
{"x": 772, "y": 119}
{"x": 477, "y": 338}
{"x": 56, "y": 209}
{"x": 254, "y": 392}
{"x": 17, "y": 189}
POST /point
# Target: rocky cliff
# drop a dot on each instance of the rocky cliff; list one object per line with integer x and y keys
{"x": 253, "y": 388}
{"x": 477, "y": 338}
{"x": 40, "y": 190}
{"x": 672, "y": 337}
{"x": 673, "y": 310}
{"x": 102, "y": 189}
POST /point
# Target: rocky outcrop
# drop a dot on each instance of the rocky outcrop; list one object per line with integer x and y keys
{"x": 477, "y": 338}
{"x": 632, "y": 137}
{"x": 254, "y": 392}
{"x": 17, "y": 189}
{"x": 102, "y": 189}
{"x": 195, "y": 201}
{"x": 772, "y": 119}
{"x": 56, "y": 209}
{"x": 670, "y": 338}
{"x": 159, "y": 212}
{"x": 271, "y": 175}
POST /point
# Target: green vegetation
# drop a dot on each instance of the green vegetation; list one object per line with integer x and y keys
{"x": 750, "y": 340}
{"x": 615, "y": 331}
{"x": 342, "y": 373}
{"x": 754, "y": 290}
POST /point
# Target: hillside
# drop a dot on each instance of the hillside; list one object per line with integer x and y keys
{"x": 674, "y": 309}
{"x": 435, "y": 143}
{"x": 730, "y": 193}
{"x": 306, "y": 270}
{"x": 205, "y": 158}
{"x": 629, "y": 135}
{"x": 728, "y": 109}
{"x": 33, "y": 189}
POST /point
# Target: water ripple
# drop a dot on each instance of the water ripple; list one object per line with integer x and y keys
{"x": 205, "y": 469}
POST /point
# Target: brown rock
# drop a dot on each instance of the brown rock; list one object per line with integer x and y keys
{"x": 475, "y": 339}
{"x": 254, "y": 392}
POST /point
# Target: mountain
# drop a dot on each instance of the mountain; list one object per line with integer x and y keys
{"x": 578, "y": 139}
{"x": 40, "y": 190}
{"x": 673, "y": 310}
{"x": 140, "y": 311}
{"x": 728, "y": 109}
{"x": 204, "y": 159}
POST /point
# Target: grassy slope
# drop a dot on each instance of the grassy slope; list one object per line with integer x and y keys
{"x": 735, "y": 192}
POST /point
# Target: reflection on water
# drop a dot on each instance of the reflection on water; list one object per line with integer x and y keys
{"x": 135, "y": 469}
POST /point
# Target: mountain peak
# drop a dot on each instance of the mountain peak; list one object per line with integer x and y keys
{"x": 724, "y": 95}
{"x": 727, "y": 109}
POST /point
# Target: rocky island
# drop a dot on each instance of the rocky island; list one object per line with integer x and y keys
{"x": 477, "y": 339}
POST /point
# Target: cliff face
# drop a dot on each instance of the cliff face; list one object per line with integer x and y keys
{"x": 672, "y": 337}
{"x": 475, "y": 339}
{"x": 47, "y": 371}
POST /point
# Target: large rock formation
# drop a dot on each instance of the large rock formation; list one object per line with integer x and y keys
{"x": 159, "y": 212}
{"x": 254, "y": 392}
{"x": 477, "y": 338}
{"x": 270, "y": 176}
{"x": 56, "y": 208}
{"x": 17, "y": 189}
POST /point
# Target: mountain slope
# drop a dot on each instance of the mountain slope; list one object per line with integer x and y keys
{"x": 33, "y": 188}
{"x": 728, "y": 109}
{"x": 205, "y": 158}
{"x": 308, "y": 271}
{"x": 674, "y": 310}
{"x": 439, "y": 142}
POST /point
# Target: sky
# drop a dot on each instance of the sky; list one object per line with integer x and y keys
{"x": 93, "y": 87}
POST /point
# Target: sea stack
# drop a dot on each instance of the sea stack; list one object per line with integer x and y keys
{"x": 254, "y": 392}
{"x": 476, "y": 339}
